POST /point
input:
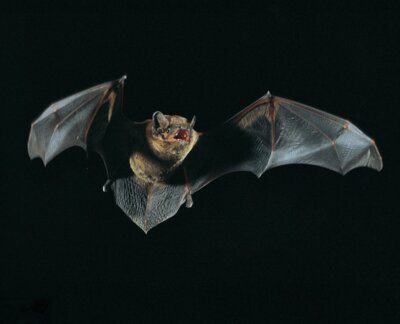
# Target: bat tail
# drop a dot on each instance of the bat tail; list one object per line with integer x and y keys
{"x": 148, "y": 205}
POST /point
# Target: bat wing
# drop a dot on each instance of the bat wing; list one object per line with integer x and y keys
{"x": 274, "y": 131}
{"x": 78, "y": 120}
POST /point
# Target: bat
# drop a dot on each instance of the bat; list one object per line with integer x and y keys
{"x": 155, "y": 166}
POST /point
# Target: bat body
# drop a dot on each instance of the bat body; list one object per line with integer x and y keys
{"x": 155, "y": 166}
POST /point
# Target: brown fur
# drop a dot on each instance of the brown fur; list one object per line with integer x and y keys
{"x": 165, "y": 154}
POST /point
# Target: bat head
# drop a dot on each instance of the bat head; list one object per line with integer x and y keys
{"x": 172, "y": 129}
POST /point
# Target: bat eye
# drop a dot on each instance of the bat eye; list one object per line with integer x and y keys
{"x": 168, "y": 129}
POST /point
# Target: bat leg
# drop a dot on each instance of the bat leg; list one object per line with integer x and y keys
{"x": 189, "y": 201}
{"x": 107, "y": 185}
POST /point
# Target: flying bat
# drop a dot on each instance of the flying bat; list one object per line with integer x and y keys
{"x": 155, "y": 166}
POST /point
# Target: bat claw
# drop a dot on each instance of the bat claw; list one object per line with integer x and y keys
{"x": 107, "y": 185}
{"x": 189, "y": 201}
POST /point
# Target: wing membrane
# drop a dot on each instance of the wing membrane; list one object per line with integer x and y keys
{"x": 275, "y": 131}
{"x": 67, "y": 122}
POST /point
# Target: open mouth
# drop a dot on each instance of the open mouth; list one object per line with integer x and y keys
{"x": 182, "y": 135}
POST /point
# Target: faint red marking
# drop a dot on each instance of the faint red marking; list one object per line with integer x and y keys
{"x": 183, "y": 135}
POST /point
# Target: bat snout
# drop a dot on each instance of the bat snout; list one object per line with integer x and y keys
{"x": 176, "y": 134}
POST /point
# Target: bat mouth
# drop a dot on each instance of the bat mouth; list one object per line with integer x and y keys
{"x": 182, "y": 135}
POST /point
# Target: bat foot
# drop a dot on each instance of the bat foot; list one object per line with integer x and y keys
{"x": 189, "y": 201}
{"x": 107, "y": 185}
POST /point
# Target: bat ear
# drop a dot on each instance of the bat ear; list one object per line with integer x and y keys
{"x": 193, "y": 122}
{"x": 159, "y": 120}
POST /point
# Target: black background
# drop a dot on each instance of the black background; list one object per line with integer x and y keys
{"x": 301, "y": 244}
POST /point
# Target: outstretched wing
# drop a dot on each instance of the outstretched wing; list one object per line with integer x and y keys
{"x": 78, "y": 120}
{"x": 274, "y": 131}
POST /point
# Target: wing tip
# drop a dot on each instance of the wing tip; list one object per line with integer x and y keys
{"x": 378, "y": 166}
{"x": 119, "y": 82}
{"x": 268, "y": 95}
{"x": 34, "y": 153}
{"x": 376, "y": 161}
{"x": 122, "y": 79}
{"x": 33, "y": 156}
{"x": 32, "y": 147}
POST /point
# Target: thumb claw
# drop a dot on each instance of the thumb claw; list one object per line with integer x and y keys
{"x": 106, "y": 186}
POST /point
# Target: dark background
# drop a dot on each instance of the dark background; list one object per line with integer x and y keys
{"x": 302, "y": 244}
